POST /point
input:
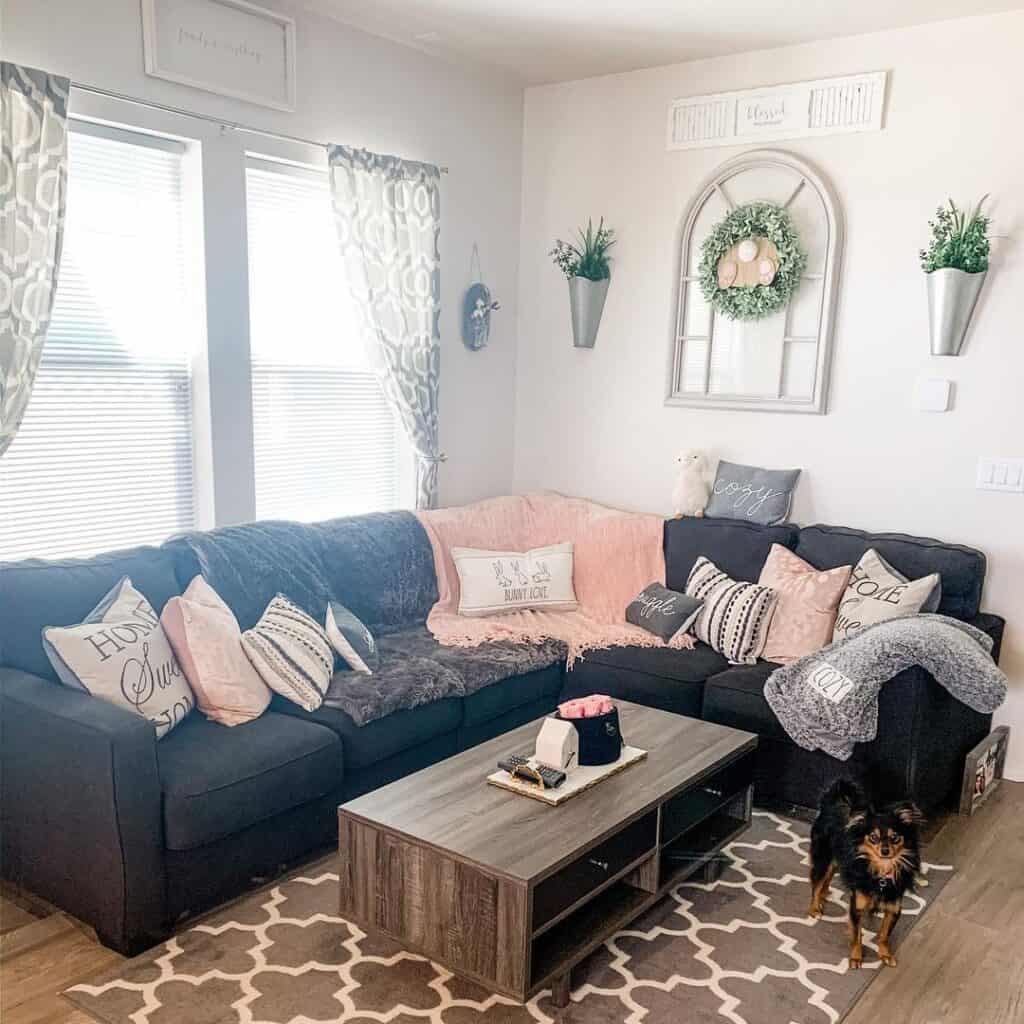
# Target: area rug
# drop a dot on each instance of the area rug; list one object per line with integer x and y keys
{"x": 738, "y": 950}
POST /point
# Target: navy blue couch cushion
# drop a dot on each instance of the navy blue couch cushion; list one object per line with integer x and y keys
{"x": 737, "y": 547}
{"x": 490, "y": 702}
{"x": 962, "y": 569}
{"x": 736, "y": 698}
{"x": 218, "y": 780}
{"x": 37, "y": 593}
{"x": 385, "y": 737}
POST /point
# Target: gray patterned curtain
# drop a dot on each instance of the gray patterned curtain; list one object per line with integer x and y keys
{"x": 388, "y": 213}
{"x": 33, "y": 184}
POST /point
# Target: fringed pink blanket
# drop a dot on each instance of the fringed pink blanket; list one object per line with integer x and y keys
{"x": 615, "y": 555}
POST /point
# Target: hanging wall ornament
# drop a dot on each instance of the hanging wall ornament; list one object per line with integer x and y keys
{"x": 477, "y": 307}
{"x": 751, "y": 262}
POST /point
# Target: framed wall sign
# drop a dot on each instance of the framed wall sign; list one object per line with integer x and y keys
{"x": 228, "y": 47}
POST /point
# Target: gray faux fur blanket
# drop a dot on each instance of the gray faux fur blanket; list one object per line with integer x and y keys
{"x": 829, "y": 700}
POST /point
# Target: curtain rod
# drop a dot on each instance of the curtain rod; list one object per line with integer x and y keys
{"x": 234, "y": 125}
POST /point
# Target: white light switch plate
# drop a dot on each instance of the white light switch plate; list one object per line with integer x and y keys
{"x": 998, "y": 474}
{"x": 932, "y": 394}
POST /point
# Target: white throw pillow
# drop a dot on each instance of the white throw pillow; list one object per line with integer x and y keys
{"x": 877, "y": 592}
{"x": 291, "y": 652}
{"x": 121, "y": 655}
{"x": 492, "y": 582}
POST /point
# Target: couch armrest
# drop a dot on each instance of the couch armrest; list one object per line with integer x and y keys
{"x": 81, "y": 808}
{"x": 994, "y": 626}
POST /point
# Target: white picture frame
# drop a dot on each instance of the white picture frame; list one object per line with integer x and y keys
{"x": 228, "y": 47}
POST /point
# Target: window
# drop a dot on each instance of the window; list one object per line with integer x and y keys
{"x": 103, "y": 458}
{"x": 326, "y": 441}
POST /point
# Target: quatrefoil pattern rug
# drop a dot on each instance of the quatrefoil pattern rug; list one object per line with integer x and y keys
{"x": 740, "y": 950}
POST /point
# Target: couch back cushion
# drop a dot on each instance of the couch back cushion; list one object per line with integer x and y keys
{"x": 962, "y": 569}
{"x": 379, "y": 565}
{"x": 737, "y": 547}
{"x": 37, "y": 593}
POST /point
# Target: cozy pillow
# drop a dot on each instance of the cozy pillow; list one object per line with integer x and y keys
{"x": 352, "y": 641}
{"x": 877, "y": 592}
{"x": 291, "y": 652}
{"x": 121, "y": 655}
{"x": 805, "y": 612}
{"x": 205, "y": 637}
{"x": 491, "y": 582}
{"x": 748, "y": 492}
{"x": 735, "y": 617}
{"x": 662, "y": 612}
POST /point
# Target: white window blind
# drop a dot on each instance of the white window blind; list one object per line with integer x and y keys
{"x": 103, "y": 458}
{"x": 326, "y": 442}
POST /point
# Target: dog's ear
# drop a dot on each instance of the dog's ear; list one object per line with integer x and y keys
{"x": 908, "y": 813}
{"x": 855, "y": 819}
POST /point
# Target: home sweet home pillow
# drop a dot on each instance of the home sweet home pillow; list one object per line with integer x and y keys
{"x": 492, "y": 582}
{"x": 121, "y": 654}
{"x": 878, "y": 592}
{"x": 735, "y": 617}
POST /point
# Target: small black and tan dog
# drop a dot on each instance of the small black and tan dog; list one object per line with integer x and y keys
{"x": 876, "y": 854}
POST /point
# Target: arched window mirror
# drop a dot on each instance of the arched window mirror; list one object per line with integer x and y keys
{"x": 782, "y": 362}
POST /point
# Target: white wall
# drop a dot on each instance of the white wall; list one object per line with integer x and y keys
{"x": 352, "y": 88}
{"x": 594, "y": 422}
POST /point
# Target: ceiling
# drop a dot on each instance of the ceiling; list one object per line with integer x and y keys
{"x": 539, "y": 41}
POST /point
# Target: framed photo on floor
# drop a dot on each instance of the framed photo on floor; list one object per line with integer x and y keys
{"x": 229, "y": 47}
{"x": 983, "y": 768}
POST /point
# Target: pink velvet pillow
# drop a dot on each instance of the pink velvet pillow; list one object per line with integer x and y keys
{"x": 207, "y": 642}
{"x": 808, "y": 600}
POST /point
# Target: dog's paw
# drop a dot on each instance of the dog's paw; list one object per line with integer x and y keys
{"x": 855, "y": 962}
{"x": 814, "y": 911}
{"x": 888, "y": 959}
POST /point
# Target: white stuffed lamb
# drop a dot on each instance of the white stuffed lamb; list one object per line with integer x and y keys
{"x": 691, "y": 493}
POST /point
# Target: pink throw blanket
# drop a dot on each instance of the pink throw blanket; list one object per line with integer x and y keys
{"x": 615, "y": 555}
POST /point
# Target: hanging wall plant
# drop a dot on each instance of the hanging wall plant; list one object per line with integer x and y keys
{"x": 751, "y": 262}
{"x": 587, "y": 266}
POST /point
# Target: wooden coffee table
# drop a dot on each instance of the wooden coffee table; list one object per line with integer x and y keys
{"x": 513, "y": 893}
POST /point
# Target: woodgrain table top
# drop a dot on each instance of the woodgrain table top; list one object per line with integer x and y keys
{"x": 451, "y": 807}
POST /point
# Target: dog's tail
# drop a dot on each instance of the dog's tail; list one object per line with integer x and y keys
{"x": 844, "y": 791}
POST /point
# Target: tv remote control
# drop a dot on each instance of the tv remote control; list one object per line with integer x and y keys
{"x": 551, "y": 777}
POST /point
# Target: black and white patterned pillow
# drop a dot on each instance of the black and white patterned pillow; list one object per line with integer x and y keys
{"x": 291, "y": 652}
{"x": 735, "y": 617}
{"x": 352, "y": 641}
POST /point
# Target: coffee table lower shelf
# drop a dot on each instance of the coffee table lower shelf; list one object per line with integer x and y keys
{"x": 519, "y": 938}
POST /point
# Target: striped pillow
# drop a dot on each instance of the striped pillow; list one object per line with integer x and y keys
{"x": 291, "y": 653}
{"x": 735, "y": 617}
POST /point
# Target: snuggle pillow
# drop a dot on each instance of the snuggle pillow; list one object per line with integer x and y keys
{"x": 491, "y": 582}
{"x": 662, "y": 612}
{"x": 291, "y": 652}
{"x": 206, "y": 639}
{"x": 805, "y": 612}
{"x": 735, "y": 617}
{"x": 351, "y": 640}
{"x": 121, "y": 655}
{"x": 877, "y": 592}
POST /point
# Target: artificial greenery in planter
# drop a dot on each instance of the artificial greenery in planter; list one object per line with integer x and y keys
{"x": 587, "y": 266}
{"x": 956, "y": 262}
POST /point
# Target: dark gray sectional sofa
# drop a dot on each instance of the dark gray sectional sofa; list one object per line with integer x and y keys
{"x": 131, "y": 834}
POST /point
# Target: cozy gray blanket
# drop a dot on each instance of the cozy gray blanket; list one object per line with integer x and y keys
{"x": 829, "y": 700}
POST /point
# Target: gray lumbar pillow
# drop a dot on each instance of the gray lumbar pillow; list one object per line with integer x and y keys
{"x": 747, "y": 492}
{"x": 663, "y": 612}
{"x": 351, "y": 640}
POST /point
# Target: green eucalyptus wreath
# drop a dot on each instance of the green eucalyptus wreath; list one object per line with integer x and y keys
{"x": 761, "y": 220}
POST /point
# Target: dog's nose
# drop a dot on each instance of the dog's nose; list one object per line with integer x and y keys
{"x": 886, "y": 851}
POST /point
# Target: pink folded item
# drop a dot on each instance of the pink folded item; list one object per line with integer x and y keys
{"x": 586, "y": 707}
{"x": 615, "y": 555}
{"x": 205, "y": 637}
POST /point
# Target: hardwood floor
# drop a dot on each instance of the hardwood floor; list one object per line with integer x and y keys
{"x": 963, "y": 963}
